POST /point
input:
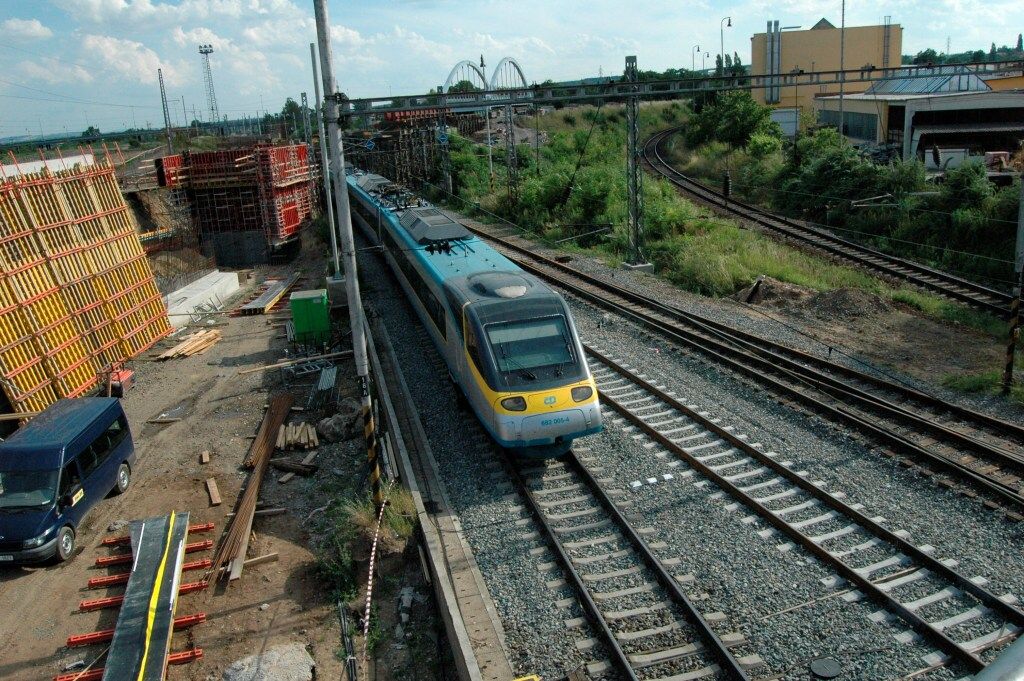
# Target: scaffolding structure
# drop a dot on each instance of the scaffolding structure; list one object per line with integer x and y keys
{"x": 246, "y": 203}
{"x": 76, "y": 290}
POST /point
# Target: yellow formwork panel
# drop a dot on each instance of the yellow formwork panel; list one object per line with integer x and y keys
{"x": 76, "y": 291}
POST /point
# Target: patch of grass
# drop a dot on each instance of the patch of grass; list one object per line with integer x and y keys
{"x": 987, "y": 382}
{"x": 397, "y": 525}
{"x": 946, "y": 310}
{"x": 335, "y": 563}
{"x": 717, "y": 258}
{"x": 375, "y": 634}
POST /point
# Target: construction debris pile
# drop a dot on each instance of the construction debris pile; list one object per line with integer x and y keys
{"x": 246, "y": 203}
{"x": 76, "y": 292}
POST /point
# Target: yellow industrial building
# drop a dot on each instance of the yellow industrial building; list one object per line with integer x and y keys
{"x": 778, "y": 51}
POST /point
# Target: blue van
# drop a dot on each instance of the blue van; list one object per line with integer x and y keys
{"x": 54, "y": 470}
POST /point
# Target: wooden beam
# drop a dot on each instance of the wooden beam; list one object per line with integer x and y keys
{"x": 211, "y": 488}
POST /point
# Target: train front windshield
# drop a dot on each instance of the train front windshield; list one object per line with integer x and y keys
{"x": 527, "y": 347}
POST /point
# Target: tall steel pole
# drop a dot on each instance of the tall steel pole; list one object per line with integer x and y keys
{"x": 634, "y": 172}
{"x": 348, "y": 249}
{"x": 325, "y": 169}
{"x": 1018, "y": 291}
{"x": 721, "y": 35}
{"x": 842, "y": 65}
{"x": 490, "y": 159}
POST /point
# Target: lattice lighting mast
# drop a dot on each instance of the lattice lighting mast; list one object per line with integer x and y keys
{"x": 211, "y": 96}
{"x": 167, "y": 112}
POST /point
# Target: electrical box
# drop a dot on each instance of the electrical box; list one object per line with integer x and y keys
{"x": 311, "y": 316}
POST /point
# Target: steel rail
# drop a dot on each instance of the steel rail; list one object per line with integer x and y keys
{"x": 715, "y": 645}
{"x": 963, "y": 290}
{"x": 969, "y": 658}
{"x": 758, "y": 363}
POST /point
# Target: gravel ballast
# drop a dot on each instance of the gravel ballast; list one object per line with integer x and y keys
{"x": 776, "y": 598}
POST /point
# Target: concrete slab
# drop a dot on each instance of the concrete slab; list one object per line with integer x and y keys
{"x": 215, "y": 286}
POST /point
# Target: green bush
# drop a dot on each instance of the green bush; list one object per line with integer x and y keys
{"x": 762, "y": 145}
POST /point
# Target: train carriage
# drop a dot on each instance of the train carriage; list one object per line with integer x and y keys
{"x": 508, "y": 339}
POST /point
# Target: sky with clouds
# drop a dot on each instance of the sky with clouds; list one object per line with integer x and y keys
{"x": 78, "y": 62}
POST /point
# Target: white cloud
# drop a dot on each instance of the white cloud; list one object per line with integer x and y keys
{"x": 149, "y": 12}
{"x": 132, "y": 60}
{"x": 25, "y": 29}
{"x": 53, "y": 72}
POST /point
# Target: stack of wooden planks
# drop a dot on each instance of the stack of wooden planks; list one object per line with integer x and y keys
{"x": 297, "y": 436}
{"x": 195, "y": 344}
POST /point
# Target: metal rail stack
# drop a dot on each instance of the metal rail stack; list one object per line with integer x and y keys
{"x": 76, "y": 290}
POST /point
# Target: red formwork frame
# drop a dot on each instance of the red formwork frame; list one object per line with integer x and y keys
{"x": 264, "y": 188}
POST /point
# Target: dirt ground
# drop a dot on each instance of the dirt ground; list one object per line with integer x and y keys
{"x": 883, "y": 333}
{"x": 272, "y": 603}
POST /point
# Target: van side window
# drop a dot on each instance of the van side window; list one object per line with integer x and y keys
{"x": 69, "y": 478}
{"x": 115, "y": 434}
{"x": 89, "y": 460}
{"x": 100, "y": 450}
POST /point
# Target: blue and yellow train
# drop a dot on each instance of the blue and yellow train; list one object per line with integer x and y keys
{"x": 508, "y": 340}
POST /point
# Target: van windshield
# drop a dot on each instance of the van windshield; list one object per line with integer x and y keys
{"x": 27, "y": 489}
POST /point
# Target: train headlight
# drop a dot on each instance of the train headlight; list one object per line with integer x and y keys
{"x": 582, "y": 393}
{"x": 516, "y": 403}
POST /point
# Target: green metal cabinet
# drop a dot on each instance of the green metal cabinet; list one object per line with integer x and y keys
{"x": 311, "y": 316}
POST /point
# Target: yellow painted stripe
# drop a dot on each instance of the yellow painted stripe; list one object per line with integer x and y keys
{"x": 563, "y": 394}
{"x": 155, "y": 597}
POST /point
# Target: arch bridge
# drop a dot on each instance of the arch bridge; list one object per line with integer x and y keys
{"x": 508, "y": 74}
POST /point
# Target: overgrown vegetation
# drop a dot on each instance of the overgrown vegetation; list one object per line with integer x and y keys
{"x": 964, "y": 224}
{"x": 1004, "y": 53}
{"x": 346, "y": 530}
{"x": 579, "y": 196}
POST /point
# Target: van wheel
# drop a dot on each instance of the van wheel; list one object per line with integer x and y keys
{"x": 65, "y": 543}
{"x": 124, "y": 478}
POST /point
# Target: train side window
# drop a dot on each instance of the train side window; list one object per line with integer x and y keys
{"x": 436, "y": 311}
{"x": 473, "y": 348}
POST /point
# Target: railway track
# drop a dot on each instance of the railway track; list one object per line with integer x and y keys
{"x": 958, "y": 447}
{"x": 636, "y": 605}
{"x": 948, "y": 285}
{"x": 956, "y": 615}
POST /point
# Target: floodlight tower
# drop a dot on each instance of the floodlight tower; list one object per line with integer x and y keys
{"x": 211, "y": 97}
{"x": 167, "y": 112}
